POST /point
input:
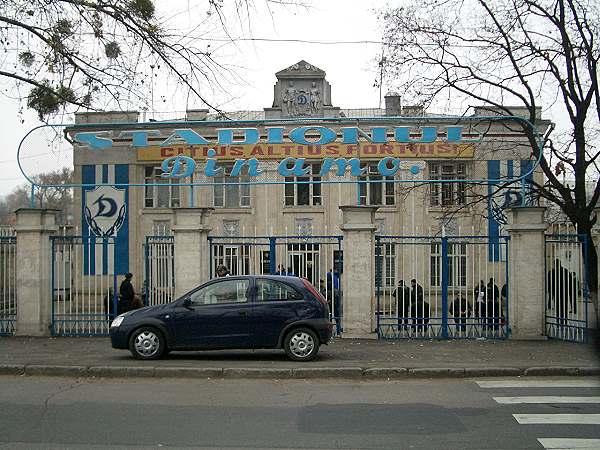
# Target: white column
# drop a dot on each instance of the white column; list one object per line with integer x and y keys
{"x": 34, "y": 270}
{"x": 526, "y": 274}
{"x": 190, "y": 231}
{"x": 358, "y": 279}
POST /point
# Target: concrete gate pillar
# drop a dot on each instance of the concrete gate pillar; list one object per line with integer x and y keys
{"x": 34, "y": 270}
{"x": 190, "y": 231}
{"x": 594, "y": 304}
{"x": 358, "y": 279}
{"x": 526, "y": 272}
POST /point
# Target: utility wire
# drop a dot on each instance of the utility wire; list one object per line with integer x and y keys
{"x": 308, "y": 41}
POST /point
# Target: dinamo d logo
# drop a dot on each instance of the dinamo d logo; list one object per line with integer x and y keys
{"x": 105, "y": 210}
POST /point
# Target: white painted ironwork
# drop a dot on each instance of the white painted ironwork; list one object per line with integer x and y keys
{"x": 84, "y": 295}
{"x": 410, "y": 286}
{"x": 566, "y": 299}
{"x": 159, "y": 268}
{"x": 8, "y": 281}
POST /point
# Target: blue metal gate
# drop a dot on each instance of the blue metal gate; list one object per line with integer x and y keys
{"x": 567, "y": 295}
{"x": 317, "y": 258}
{"x": 84, "y": 285}
{"x": 441, "y": 287}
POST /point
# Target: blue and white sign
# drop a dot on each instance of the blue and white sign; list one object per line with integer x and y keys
{"x": 105, "y": 210}
{"x": 105, "y": 219}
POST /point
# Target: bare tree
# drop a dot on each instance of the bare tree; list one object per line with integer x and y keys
{"x": 520, "y": 53}
{"x": 102, "y": 54}
{"x": 56, "y": 197}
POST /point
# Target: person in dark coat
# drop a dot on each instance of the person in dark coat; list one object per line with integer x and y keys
{"x": 480, "y": 305}
{"x": 561, "y": 290}
{"x": 572, "y": 293}
{"x": 460, "y": 310}
{"x": 402, "y": 296}
{"x": 109, "y": 306}
{"x": 126, "y": 295}
{"x": 420, "y": 308}
{"x": 493, "y": 304}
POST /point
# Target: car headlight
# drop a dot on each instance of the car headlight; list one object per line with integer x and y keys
{"x": 115, "y": 323}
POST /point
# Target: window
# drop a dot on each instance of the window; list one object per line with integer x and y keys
{"x": 160, "y": 196}
{"x": 265, "y": 262}
{"x": 390, "y": 264}
{"x": 448, "y": 193}
{"x": 308, "y": 191}
{"x": 275, "y": 291}
{"x": 235, "y": 257}
{"x": 226, "y": 291}
{"x": 227, "y": 193}
{"x": 457, "y": 265}
{"x": 303, "y": 261}
{"x": 375, "y": 189}
{"x": 338, "y": 261}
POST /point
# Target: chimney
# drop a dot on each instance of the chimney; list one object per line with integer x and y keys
{"x": 393, "y": 104}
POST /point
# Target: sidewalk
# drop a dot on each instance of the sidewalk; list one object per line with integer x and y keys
{"x": 344, "y": 358}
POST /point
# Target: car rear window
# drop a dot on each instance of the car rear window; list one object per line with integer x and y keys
{"x": 275, "y": 291}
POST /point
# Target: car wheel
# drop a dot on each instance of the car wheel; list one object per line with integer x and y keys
{"x": 147, "y": 343}
{"x": 301, "y": 344}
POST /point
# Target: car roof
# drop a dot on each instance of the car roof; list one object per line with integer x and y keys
{"x": 289, "y": 279}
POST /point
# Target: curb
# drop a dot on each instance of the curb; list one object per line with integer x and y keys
{"x": 306, "y": 373}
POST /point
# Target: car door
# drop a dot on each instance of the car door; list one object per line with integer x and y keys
{"x": 276, "y": 304}
{"x": 217, "y": 316}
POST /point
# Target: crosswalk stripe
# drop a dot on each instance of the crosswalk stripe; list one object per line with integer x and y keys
{"x": 569, "y": 443}
{"x": 562, "y": 419}
{"x": 545, "y": 399}
{"x": 537, "y": 383}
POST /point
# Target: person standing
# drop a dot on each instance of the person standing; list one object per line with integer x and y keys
{"x": 480, "y": 306}
{"x": 126, "y": 295}
{"x": 460, "y": 310}
{"x": 493, "y": 305}
{"x": 420, "y": 308}
{"x": 402, "y": 295}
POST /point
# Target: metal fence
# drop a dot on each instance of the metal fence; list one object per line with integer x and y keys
{"x": 441, "y": 287}
{"x": 8, "y": 283}
{"x": 84, "y": 286}
{"x": 317, "y": 258}
{"x": 159, "y": 269}
{"x": 567, "y": 296}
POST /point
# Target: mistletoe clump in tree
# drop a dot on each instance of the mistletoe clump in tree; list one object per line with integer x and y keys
{"x": 101, "y": 54}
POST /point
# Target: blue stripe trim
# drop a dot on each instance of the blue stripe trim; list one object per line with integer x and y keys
{"x": 88, "y": 176}
{"x": 121, "y": 248}
{"x": 104, "y": 241}
{"x": 493, "y": 226}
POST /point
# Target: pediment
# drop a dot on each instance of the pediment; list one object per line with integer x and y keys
{"x": 300, "y": 70}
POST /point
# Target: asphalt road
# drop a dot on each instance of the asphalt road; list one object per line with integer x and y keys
{"x": 56, "y": 413}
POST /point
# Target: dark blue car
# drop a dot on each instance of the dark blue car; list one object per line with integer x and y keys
{"x": 231, "y": 313}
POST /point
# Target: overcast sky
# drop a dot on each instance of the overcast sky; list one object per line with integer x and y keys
{"x": 350, "y": 70}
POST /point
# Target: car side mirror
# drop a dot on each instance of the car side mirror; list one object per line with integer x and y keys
{"x": 187, "y": 302}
